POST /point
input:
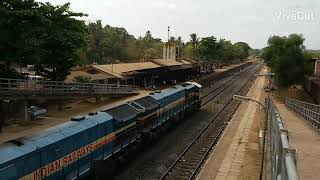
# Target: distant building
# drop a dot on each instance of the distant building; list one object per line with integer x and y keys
{"x": 143, "y": 73}
{"x": 171, "y": 51}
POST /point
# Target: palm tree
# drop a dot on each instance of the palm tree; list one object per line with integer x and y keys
{"x": 148, "y": 35}
{"x": 179, "y": 41}
{"x": 194, "y": 40}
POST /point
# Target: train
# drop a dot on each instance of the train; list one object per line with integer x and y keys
{"x": 74, "y": 149}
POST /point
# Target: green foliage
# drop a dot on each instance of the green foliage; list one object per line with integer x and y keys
{"x": 63, "y": 37}
{"x": 314, "y": 53}
{"x": 187, "y": 51}
{"x": 255, "y": 52}
{"x": 52, "y": 38}
{"x": 241, "y": 50}
{"x": 82, "y": 79}
{"x": 208, "y": 48}
{"x": 6, "y": 72}
{"x": 106, "y": 44}
{"x": 194, "y": 41}
{"x": 42, "y": 34}
{"x": 95, "y": 49}
{"x": 288, "y": 59}
{"x": 148, "y": 47}
{"x": 222, "y": 51}
{"x": 21, "y": 26}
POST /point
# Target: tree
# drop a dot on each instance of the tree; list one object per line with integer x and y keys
{"x": 194, "y": 41}
{"x": 314, "y": 53}
{"x": 149, "y": 47}
{"x": 172, "y": 39}
{"x": 241, "y": 50}
{"x": 187, "y": 51}
{"x": 62, "y": 40}
{"x": 226, "y": 54}
{"x": 208, "y": 48}
{"x": 179, "y": 42}
{"x": 288, "y": 59}
{"x": 42, "y": 34}
{"x": 21, "y": 26}
{"x": 82, "y": 79}
{"x": 148, "y": 35}
{"x": 95, "y": 52}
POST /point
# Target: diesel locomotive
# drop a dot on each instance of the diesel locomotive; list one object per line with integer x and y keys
{"x": 70, "y": 150}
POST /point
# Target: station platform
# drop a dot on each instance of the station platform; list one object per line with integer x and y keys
{"x": 305, "y": 139}
{"x": 237, "y": 155}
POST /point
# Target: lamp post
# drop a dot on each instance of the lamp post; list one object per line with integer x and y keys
{"x": 246, "y": 99}
{"x": 243, "y": 98}
{"x": 168, "y": 34}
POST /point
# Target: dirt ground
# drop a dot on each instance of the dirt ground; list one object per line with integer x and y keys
{"x": 296, "y": 93}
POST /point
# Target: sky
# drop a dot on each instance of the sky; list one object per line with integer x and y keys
{"x": 251, "y": 21}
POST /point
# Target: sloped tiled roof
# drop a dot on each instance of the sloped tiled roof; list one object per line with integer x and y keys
{"x": 118, "y": 69}
{"x": 169, "y": 62}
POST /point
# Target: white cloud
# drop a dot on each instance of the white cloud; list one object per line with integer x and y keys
{"x": 162, "y": 4}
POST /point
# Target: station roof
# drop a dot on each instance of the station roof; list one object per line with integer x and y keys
{"x": 98, "y": 76}
{"x": 119, "y": 71}
{"x": 169, "y": 62}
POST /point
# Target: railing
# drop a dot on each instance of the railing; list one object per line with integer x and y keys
{"x": 38, "y": 87}
{"x": 310, "y": 112}
{"x": 283, "y": 158}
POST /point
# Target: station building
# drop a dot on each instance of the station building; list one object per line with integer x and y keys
{"x": 312, "y": 83}
{"x": 171, "y": 69}
{"x": 152, "y": 73}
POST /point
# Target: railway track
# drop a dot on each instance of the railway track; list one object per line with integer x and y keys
{"x": 190, "y": 160}
{"x": 221, "y": 87}
{"x": 208, "y": 87}
{"x": 155, "y": 160}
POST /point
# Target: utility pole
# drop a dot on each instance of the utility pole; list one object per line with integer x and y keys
{"x": 168, "y": 34}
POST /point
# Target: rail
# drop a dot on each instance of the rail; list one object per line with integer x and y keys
{"x": 283, "y": 158}
{"x": 310, "y": 112}
{"x": 39, "y": 87}
{"x": 190, "y": 160}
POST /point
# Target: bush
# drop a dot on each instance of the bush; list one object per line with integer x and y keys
{"x": 82, "y": 79}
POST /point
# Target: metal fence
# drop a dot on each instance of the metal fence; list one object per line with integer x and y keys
{"x": 283, "y": 158}
{"x": 310, "y": 112}
{"x": 39, "y": 87}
